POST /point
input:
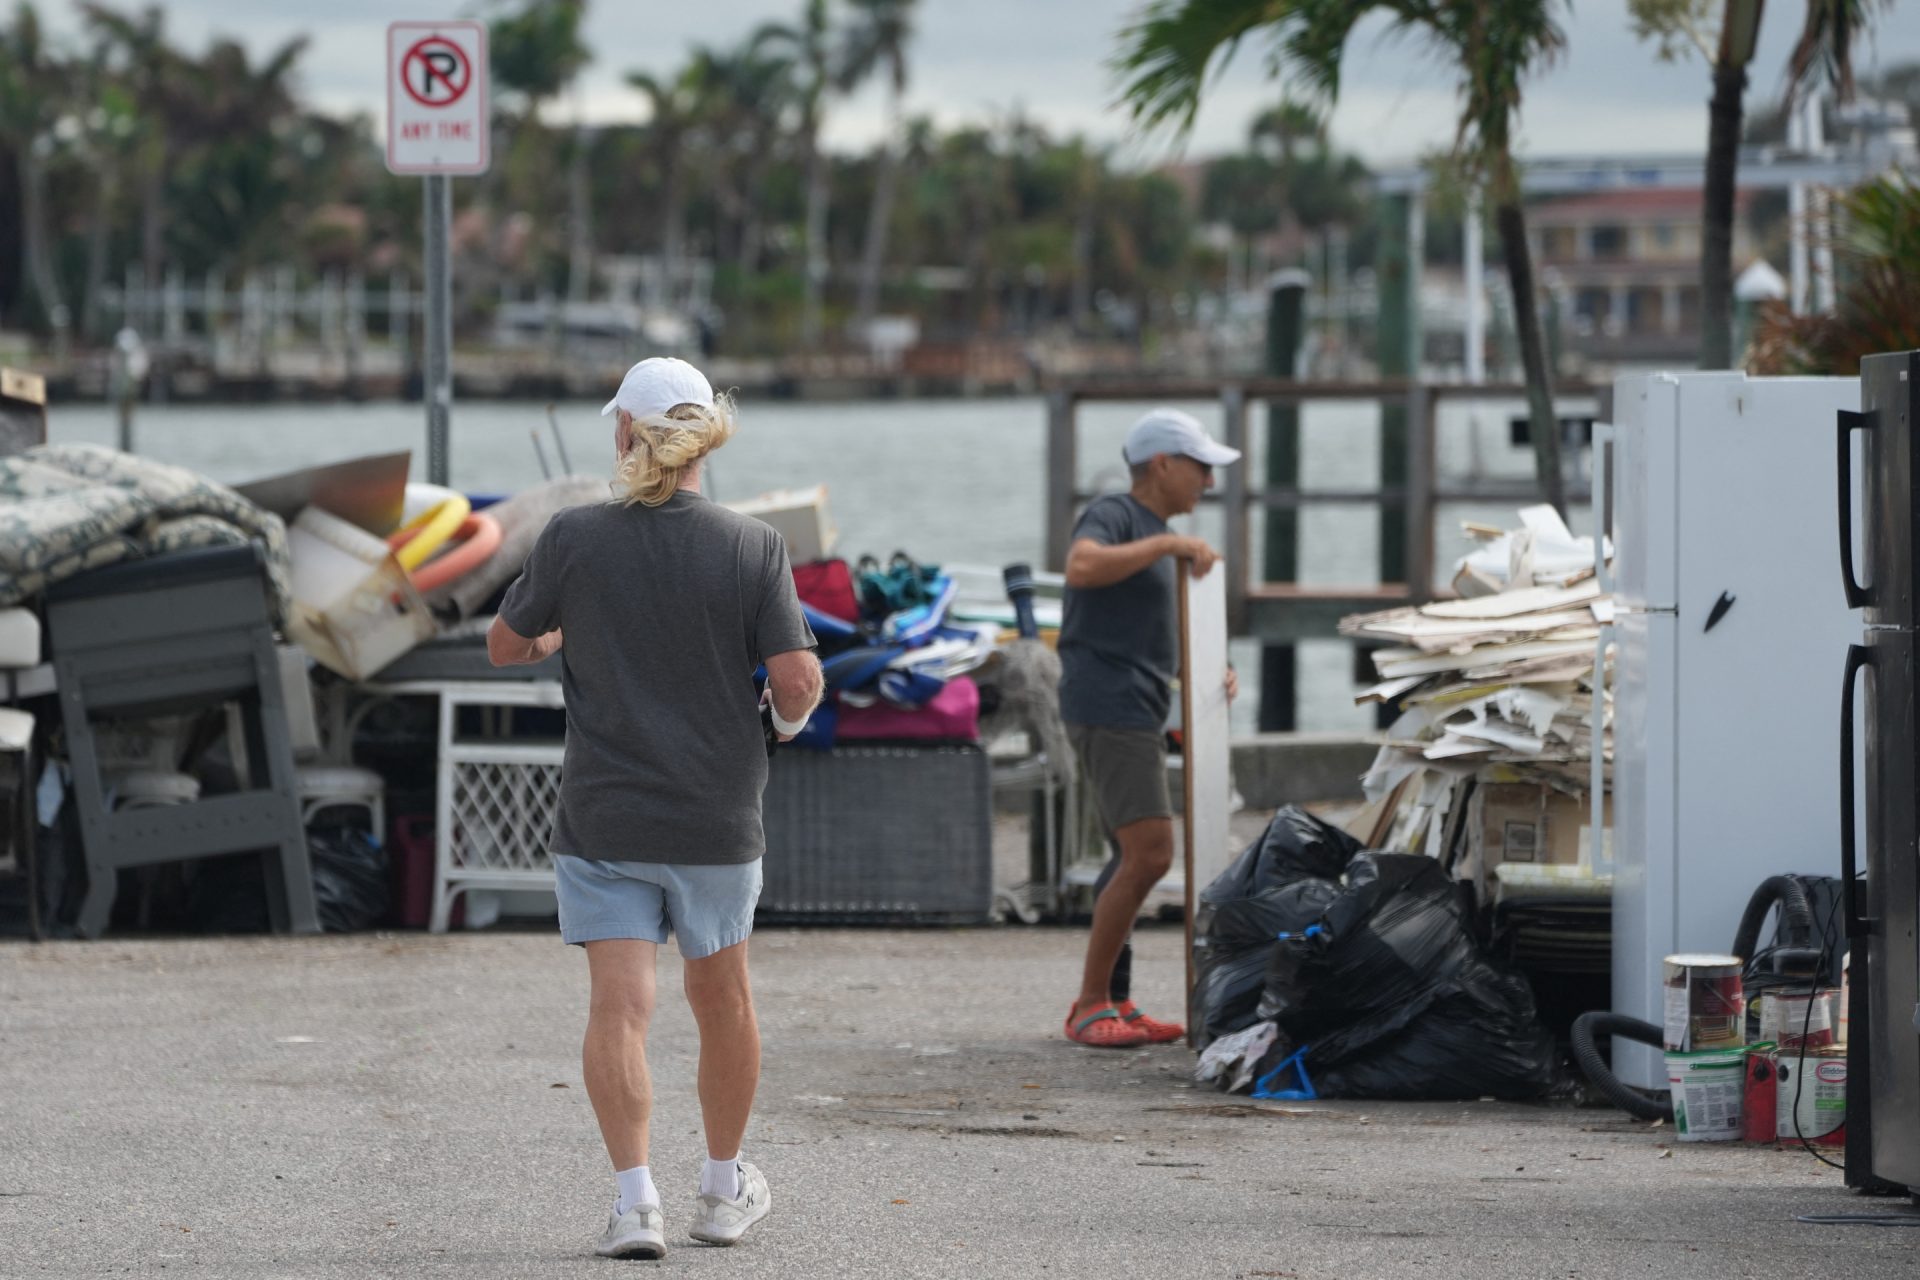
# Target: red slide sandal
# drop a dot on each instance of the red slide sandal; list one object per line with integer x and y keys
{"x": 1104, "y": 1029}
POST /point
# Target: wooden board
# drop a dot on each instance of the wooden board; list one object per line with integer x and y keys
{"x": 1207, "y": 761}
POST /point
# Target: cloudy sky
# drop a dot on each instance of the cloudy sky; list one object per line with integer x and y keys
{"x": 976, "y": 59}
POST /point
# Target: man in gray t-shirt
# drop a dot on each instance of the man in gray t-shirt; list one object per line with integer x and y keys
{"x": 662, "y": 607}
{"x": 1118, "y": 656}
{"x": 668, "y": 611}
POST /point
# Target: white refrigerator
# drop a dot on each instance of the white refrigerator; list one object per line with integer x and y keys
{"x": 1729, "y": 625}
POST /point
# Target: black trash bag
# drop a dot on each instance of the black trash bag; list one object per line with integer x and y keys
{"x": 1230, "y": 969}
{"x": 1390, "y": 997}
{"x": 350, "y": 879}
{"x": 350, "y": 886}
{"x": 1295, "y": 844}
{"x": 227, "y": 894}
{"x": 1283, "y": 882}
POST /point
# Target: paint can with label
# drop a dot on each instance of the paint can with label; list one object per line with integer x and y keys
{"x": 1708, "y": 1089}
{"x": 1792, "y": 1018}
{"x": 1812, "y": 1096}
{"x": 1705, "y": 1002}
{"x": 1843, "y": 1014}
{"x": 1760, "y": 1106}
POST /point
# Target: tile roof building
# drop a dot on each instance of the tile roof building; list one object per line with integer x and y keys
{"x": 1624, "y": 269}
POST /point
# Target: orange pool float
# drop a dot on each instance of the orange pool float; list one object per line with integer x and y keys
{"x": 473, "y": 543}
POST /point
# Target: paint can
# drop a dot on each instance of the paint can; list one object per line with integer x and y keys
{"x": 1708, "y": 1089}
{"x": 1793, "y": 1018}
{"x": 1760, "y": 1106}
{"x": 1812, "y": 1085}
{"x": 1844, "y": 1015}
{"x": 1706, "y": 1003}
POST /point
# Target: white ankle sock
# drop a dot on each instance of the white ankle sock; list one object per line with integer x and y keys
{"x": 636, "y": 1187}
{"x": 721, "y": 1178}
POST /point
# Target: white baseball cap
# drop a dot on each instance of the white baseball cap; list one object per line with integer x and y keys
{"x": 658, "y": 384}
{"x": 1165, "y": 430}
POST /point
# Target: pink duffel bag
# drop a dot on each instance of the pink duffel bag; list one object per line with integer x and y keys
{"x": 952, "y": 716}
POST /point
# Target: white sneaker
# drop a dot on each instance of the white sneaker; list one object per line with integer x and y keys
{"x": 721, "y": 1221}
{"x": 634, "y": 1234}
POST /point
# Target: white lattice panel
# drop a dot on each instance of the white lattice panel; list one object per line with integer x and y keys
{"x": 503, "y": 815}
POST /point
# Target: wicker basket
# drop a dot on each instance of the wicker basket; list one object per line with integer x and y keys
{"x": 876, "y": 834}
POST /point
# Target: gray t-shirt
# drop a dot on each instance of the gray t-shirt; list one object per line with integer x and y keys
{"x": 1118, "y": 651}
{"x": 666, "y": 612}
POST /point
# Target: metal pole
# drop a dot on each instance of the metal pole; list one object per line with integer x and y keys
{"x": 1797, "y": 237}
{"x": 437, "y": 389}
{"x": 1476, "y": 313}
{"x": 1820, "y": 212}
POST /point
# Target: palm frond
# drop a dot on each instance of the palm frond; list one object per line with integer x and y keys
{"x": 1168, "y": 55}
{"x": 1825, "y": 47}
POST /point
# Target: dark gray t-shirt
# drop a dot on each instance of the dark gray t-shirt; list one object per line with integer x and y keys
{"x": 666, "y": 612}
{"x": 1118, "y": 651}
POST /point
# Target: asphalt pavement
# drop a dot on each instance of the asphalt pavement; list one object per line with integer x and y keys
{"x": 406, "y": 1105}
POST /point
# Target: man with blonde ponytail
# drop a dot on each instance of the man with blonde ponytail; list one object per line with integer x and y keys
{"x": 667, "y": 604}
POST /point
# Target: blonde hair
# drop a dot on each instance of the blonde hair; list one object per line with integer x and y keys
{"x": 666, "y": 447}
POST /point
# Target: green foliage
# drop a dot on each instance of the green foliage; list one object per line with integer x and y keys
{"x": 207, "y": 158}
{"x": 1878, "y": 307}
{"x": 1168, "y": 56}
{"x": 1677, "y": 27}
{"x": 536, "y": 51}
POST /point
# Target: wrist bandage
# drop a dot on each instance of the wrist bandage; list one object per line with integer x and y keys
{"x": 785, "y": 726}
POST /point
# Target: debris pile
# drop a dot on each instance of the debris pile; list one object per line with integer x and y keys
{"x": 1491, "y": 761}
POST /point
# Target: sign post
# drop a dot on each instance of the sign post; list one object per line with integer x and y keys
{"x": 437, "y": 125}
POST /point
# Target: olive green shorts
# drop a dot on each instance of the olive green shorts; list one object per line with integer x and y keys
{"x": 1127, "y": 770}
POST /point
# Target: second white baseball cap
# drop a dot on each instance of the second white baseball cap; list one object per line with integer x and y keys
{"x": 660, "y": 383}
{"x": 1165, "y": 430}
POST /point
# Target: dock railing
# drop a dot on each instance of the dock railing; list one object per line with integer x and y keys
{"x": 1286, "y": 612}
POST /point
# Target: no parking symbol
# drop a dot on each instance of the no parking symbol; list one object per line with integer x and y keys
{"x": 437, "y": 117}
{"x": 435, "y": 72}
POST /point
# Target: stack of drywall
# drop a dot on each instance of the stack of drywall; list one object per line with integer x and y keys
{"x": 1496, "y": 690}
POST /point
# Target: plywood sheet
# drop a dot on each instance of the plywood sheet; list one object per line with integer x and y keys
{"x": 1204, "y": 732}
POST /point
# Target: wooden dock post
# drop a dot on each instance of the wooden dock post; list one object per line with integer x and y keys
{"x": 1421, "y": 482}
{"x": 1239, "y": 538}
{"x": 1063, "y": 466}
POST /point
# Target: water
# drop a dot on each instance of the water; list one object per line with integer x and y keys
{"x": 957, "y": 481}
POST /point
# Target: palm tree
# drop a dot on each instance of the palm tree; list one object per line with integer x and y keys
{"x": 746, "y": 93}
{"x": 1286, "y": 129}
{"x": 164, "y": 85}
{"x": 1825, "y": 40}
{"x": 674, "y": 106}
{"x": 1166, "y": 54}
{"x": 112, "y": 128}
{"x": 31, "y": 101}
{"x": 536, "y": 52}
{"x": 877, "y": 41}
{"x": 807, "y": 50}
{"x": 229, "y": 154}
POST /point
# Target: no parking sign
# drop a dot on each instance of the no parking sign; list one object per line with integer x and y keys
{"x": 437, "y": 102}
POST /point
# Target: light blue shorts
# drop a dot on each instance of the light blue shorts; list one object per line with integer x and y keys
{"x": 708, "y": 908}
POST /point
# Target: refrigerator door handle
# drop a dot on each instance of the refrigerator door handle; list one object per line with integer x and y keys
{"x": 1858, "y": 925}
{"x": 1850, "y": 421}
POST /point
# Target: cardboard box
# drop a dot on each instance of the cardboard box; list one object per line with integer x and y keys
{"x": 798, "y": 515}
{"x": 1530, "y": 823}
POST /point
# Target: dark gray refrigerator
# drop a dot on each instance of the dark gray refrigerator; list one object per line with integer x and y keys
{"x": 1882, "y": 874}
